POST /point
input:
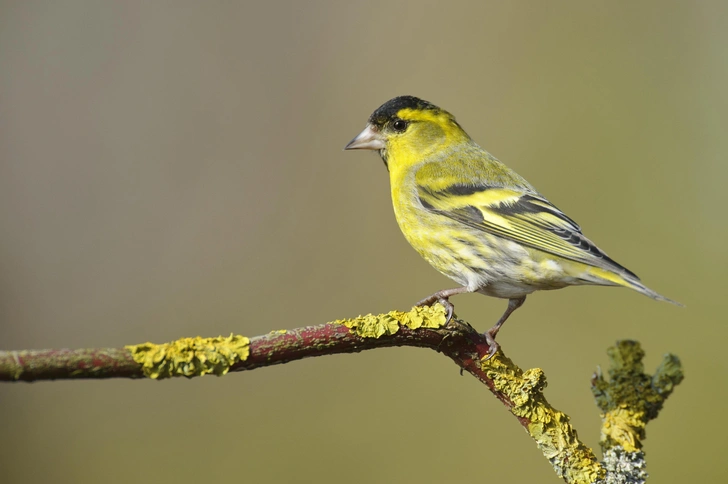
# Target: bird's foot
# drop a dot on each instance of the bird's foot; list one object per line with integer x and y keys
{"x": 513, "y": 304}
{"x": 443, "y": 297}
{"x": 444, "y": 301}
{"x": 450, "y": 322}
{"x": 493, "y": 346}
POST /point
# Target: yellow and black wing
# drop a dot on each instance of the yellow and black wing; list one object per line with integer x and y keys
{"x": 524, "y": 218}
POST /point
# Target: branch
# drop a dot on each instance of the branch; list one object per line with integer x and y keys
{"x": 520, "y": 391}
{"x": 628, "y": 401}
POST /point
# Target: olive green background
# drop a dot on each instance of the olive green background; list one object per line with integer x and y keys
{"x": 171, "y": 169}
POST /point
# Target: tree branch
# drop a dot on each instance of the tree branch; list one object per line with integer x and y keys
{"x": 629, "y": 400}
{"x": 520, "y": 391}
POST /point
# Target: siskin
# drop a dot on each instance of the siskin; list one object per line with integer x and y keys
{"x": 474, "y": 219}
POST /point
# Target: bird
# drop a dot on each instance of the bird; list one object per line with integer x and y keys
{"x": 474, "y": 219}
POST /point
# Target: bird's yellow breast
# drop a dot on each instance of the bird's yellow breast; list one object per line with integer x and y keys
{"x": 431, "y": 234}
{"x": 415, "y": 222}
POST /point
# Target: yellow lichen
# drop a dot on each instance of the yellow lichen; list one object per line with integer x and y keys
{"x": 191, "y": 356}
{"x": 631, "y": 398}
{"x": 624, "y": 426}
{"x": 375, "y": 326}
{"x": 550, "y": 428}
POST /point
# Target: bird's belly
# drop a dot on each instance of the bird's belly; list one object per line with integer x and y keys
{"x": 483, "y": 262}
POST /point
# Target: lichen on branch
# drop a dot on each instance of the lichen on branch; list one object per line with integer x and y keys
{"x": 375, "y": 326}
{"x": 631, "y": 398}
{"x": 550, "y": 428}
{"x": 627, "y": 401}
{"x": 191, "y": 356}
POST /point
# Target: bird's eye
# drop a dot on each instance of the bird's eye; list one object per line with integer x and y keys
{"x": 399, "y": 125}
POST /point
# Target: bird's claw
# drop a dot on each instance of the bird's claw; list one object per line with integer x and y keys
{"x": 449, "y": 309}
{"x": 445, "y": 302}
{"x": 493, "y": 346}
{"x": 450, "y": 321}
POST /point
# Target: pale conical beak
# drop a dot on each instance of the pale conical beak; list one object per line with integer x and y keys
{"x": 369, "y": 139}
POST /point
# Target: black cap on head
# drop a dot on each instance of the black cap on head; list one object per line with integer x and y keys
{"x": 389, "y": 110}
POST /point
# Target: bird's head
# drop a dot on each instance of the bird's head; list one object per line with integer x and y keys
{"x": 406, "y": 129}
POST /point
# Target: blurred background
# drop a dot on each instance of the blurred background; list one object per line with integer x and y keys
{"x": 171, "y": 169}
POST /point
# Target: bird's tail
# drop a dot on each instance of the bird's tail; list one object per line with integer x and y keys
{"x": 637, "y": 285}
{"x": 631, "y": 281}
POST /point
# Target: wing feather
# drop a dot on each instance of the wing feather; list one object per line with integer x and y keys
{"x": 525, "y": 218}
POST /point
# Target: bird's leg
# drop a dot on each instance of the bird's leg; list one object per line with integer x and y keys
{"x": 443, "y": 297}
{"x": 513, "y": 304}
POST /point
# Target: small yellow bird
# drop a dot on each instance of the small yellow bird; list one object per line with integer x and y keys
{"x": 474, "y": 219}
